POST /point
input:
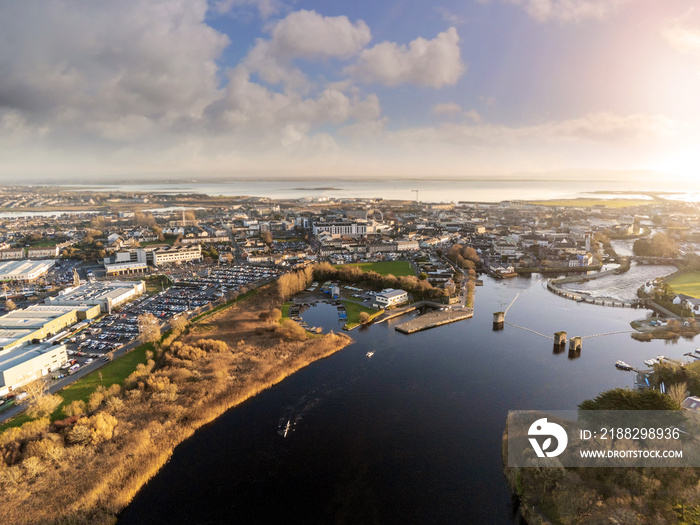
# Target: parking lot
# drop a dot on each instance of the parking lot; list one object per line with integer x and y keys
{"x": 117, "y": 329}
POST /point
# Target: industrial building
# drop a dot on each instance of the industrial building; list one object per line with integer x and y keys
{"x": 27, "y": 363}
{"x": 390, "y": 297}
{"x": 24, "y": 271}
{"x": 40, "y": 321}
{"x": 106, "y": 295}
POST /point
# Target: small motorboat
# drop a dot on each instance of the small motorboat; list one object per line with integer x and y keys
{"x": 622, "y": 365}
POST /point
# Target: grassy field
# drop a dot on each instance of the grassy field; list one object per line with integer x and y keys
{"x": 687, "y": 283}
{"x": 354, "y": 309}
{"x": 285, "y": 309}
{"x": 114, "y": 372}
{"x": 588, "y": 203}
{"x": 395, "y": 268}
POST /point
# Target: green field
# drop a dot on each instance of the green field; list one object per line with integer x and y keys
{"x": 395, "y": 268}
{"x": 354, "y": 309}
{"x": 687, "y": 283}
{"x": 114, "y": 372}
{"x": 285, "y": 310}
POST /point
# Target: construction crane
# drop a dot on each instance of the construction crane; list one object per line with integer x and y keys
{"x": 416, "y": 194}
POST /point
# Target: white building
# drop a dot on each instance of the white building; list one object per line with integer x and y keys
{"x": 137, "y": 260}
{"x": 390, "y": 297}
{"x": 12, "y": 254}
{"x": 108, "y": 295}
{"x": 345, "y": 228}
{"x": 176, "y": 254}
{"x": 25, "y": 271}
{"x": 27, "y": 363}
{"x": 36, "y": 252}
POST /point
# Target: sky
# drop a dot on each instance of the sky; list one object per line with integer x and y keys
{"x": 193, "y": 89}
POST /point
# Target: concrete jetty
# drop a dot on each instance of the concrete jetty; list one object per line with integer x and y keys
{"x": 433, "y": 319}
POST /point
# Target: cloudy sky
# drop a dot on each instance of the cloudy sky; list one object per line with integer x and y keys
{"x": 275, "y": 88}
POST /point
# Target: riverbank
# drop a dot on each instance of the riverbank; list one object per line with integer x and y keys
{"x": 55, "y": 475}
{"x": 558, "y": 494}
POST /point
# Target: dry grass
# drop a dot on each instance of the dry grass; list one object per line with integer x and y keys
{"x": 162, "y": 406}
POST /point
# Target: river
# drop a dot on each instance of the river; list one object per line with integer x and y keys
{"x": 411, "y": 435}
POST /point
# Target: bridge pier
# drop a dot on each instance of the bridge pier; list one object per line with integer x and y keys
{"x": 575, "y": 344}
{"x": 559, "y": 338}
{"x": 499, "y": 318}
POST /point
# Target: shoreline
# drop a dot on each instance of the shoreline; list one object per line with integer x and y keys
{"x": 105, "y": 479}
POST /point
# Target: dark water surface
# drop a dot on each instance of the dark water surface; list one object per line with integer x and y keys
{"x": 412, "y": 435}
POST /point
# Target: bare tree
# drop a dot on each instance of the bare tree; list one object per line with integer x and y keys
{"x": 678, "y": 392}
{"x": 179, "y": 323}
{"x": 38, "y": 399}
{"x": 149, "y": 328}
{"x": 10, "y": 305}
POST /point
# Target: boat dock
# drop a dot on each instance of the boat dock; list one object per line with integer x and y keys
{"x": 433, "y": 319}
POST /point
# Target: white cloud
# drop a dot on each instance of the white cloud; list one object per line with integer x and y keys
{"x": 72, "y": 64}
{"x": 473, "y": 115}
{"x": 305, "y": 35}
{"x": 431, "y": 63}
{"x": 253, "y": 110}
{"x": 682, "y": 38}
{"x": 567, "y": 10}
{"x": 449, "y": 16}
{"x": 448, "y": 108}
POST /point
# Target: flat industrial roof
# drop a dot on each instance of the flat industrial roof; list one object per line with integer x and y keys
{"x": 97, "y": 291}
{"x": 25, "y": 353}
{"x": 8, "y": 337}
{"x": 35, "y": 316}
{"x": 10, "y": 269}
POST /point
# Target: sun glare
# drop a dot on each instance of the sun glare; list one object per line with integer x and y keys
{"x": 684, "y": 165}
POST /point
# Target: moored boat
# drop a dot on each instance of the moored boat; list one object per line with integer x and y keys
{"x": 622, "y": 365}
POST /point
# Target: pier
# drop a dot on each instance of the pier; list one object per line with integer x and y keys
{"x": 433, "y": 319}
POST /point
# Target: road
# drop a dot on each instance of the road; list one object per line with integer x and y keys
{"x": 55, "y": 386}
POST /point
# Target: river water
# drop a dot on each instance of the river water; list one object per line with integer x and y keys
{"x": 412, "y": 435}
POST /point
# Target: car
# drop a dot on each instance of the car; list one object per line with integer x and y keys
{"x": 88, "y": 360}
